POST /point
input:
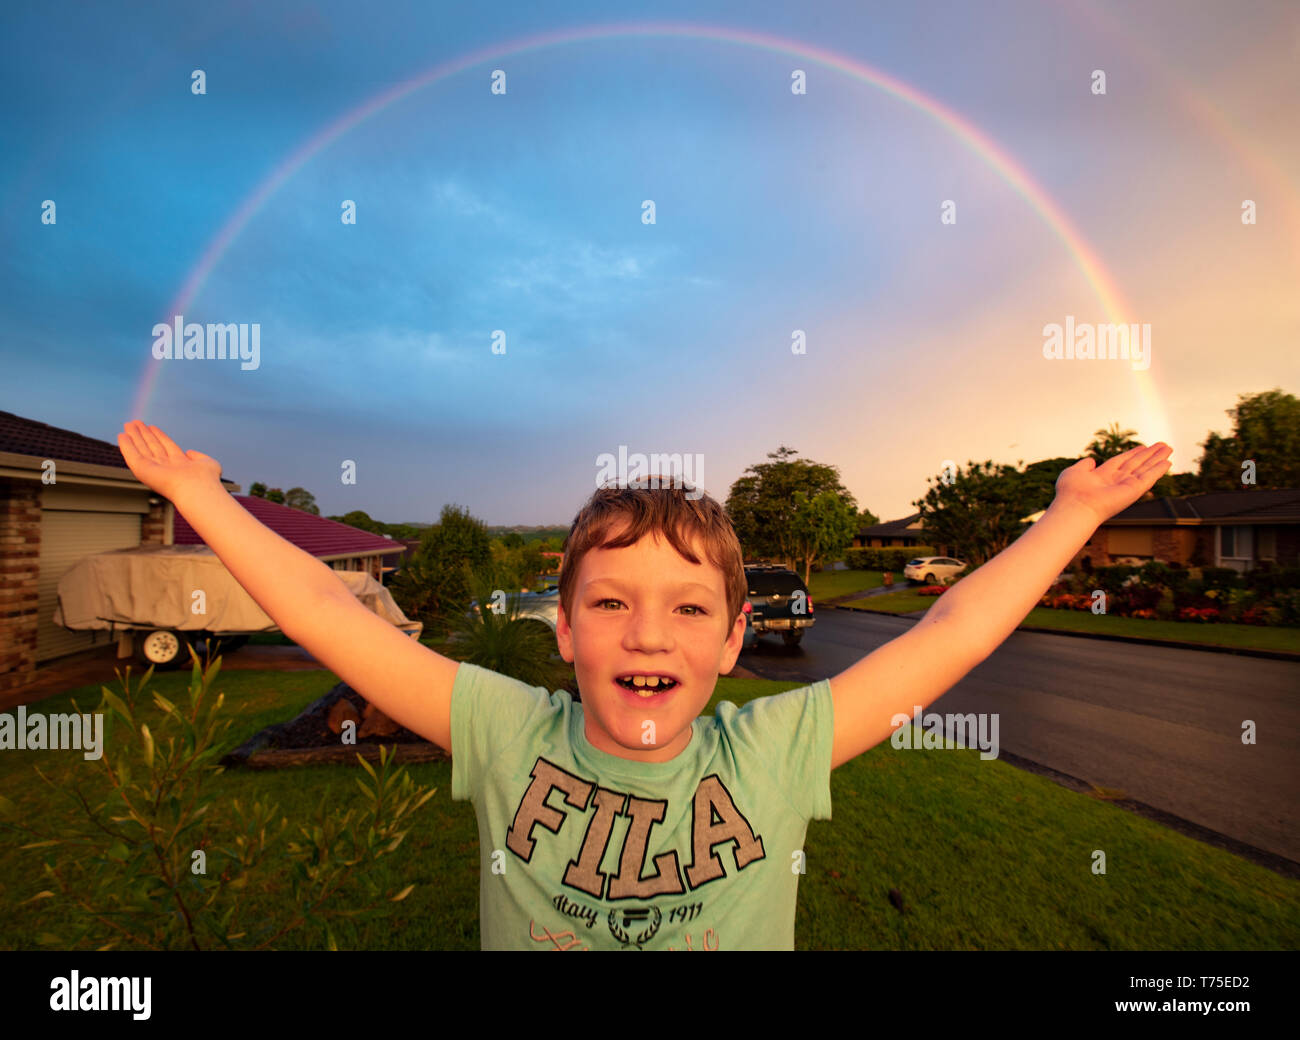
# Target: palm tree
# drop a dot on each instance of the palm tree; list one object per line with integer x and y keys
{"x": 1111, "y": 442}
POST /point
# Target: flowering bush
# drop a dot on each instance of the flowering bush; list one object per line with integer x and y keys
{"x": 932, "y": 590}
{"x": 1148, "y": 614}
{"x": 1201, "y": 614}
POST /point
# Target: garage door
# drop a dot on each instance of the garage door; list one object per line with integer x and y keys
{"x": 67, "y": 536}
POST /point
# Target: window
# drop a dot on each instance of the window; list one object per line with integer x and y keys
{"x": 1235, "y": 543}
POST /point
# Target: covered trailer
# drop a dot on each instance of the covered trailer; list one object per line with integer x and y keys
{"x": 164, "y": 598}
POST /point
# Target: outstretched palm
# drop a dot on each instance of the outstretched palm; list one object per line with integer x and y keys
{"x": 1117, "y": 483}
{"x": 159, "y": 463}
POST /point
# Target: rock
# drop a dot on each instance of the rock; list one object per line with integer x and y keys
{"x": 377, "y": 724}
{"x": 341, "y": 712}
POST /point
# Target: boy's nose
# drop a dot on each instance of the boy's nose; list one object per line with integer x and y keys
{"x": 648, "y": 632}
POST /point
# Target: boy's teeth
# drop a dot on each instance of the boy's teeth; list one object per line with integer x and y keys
{"x": 647, "y": 682}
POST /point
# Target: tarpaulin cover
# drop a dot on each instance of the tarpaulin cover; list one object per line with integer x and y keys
{"x": 153, "y": 587}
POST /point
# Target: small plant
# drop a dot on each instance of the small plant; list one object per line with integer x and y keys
{"x": 151, "y": 865}
{"x": 521, "y": 647}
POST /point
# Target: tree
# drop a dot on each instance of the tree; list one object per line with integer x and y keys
{"x": 361, "y": 520}
{"x": 301, "y": 498}
{"x": 275, "y": 495}
{"x": 436, "y": 580}
{"x": 764, "y": 509}
{"x": 1111, "y": 442}
{"x": 824, "y": 525}
{"x": 258, "y": 489}
{"x": 1266, "y": 430}
{"x": 981, "y": 511}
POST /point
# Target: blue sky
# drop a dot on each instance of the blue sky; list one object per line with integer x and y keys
{"x": 522, "y": 212}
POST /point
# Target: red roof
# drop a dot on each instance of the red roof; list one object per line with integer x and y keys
{"x": 24, "y": 436}
{"x": 310, "y": 533}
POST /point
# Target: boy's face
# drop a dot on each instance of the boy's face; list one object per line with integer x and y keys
{"x": 643, "y": 609}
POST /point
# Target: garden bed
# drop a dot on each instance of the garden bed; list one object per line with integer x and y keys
{"x": 309, "y": 740}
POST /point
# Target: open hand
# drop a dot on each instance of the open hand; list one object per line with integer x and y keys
{"x": 1117, "y": 483}
{"x": 160, "y": 465}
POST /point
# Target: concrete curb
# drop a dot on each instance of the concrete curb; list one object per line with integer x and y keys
{"x": 1276, "y": 655}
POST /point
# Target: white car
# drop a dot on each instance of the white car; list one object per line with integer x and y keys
{"x": 933, "y": 570}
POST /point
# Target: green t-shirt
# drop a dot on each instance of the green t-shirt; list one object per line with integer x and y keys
{"x": 580, "y": 849}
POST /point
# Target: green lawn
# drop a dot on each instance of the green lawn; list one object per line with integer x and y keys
{"x": 904, "y": 601}
{"x": 1255, "y": 637}
{"x": 830, "y": 584}
{"x": 985, "y": 856}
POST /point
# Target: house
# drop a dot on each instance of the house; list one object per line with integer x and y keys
{"x": 64, "y": 496}
{"x": 1238, "y": 529}
{"x": 902, "y": 534}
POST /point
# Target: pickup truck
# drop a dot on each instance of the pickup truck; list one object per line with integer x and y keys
{"x": 778, "y": 601}
{"x": 169, "y": 597}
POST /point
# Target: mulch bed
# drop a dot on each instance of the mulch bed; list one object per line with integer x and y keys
{"x": 308, "y": 740}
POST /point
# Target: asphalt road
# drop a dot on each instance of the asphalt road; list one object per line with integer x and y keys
{"x": 1163, "y": 725}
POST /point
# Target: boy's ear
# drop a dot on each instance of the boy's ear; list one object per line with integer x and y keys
{"x": 731, "y": 648}
{"x": 564, "y": 636}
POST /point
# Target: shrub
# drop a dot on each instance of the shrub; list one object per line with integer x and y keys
{"x": 892, "y": 558}
{"x": 1287, "y": 605}
{"x": 1266, "y": 581}
{"x": 1220, "y": 578}
{"x": 520, "y": 647}
{"x": 1112, "y": 578}
{"x": 159, "y": 864}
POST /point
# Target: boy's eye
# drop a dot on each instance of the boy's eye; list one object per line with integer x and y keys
{"x": 689, "y": 606}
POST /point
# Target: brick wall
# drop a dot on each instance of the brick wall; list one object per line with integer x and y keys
{"x": 20, "y": 554}
{"x": 153, "y": 527}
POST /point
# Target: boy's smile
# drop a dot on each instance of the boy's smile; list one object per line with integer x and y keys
{"x": 643, "y": 614}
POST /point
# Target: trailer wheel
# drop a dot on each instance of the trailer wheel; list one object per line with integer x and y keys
{"x": 163, "y": 648}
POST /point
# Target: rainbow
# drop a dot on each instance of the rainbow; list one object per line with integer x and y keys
{"x": 1154, "y": 424}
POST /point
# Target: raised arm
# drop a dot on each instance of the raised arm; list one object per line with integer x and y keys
{"x": 409, "y": 682}
{"x": 969, "y": 621}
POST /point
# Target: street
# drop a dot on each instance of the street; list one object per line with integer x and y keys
{"x": 1163, "y": 725}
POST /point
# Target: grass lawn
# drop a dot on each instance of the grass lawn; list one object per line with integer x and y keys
{"x": 904, "y": 601}
{"x": 830, "y": 584}
{"x": 985, "y": 856}
{"x": 1255, "y": 637}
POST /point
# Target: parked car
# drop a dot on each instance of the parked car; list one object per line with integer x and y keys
{"x": 778, "y": 601}
{"x": 933, "y": 570}
{"x": 544, "y": 606}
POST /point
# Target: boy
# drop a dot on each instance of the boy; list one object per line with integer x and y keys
{"x": 626, "y": 821}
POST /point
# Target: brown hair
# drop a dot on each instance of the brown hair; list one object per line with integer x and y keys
{"x": 670, "y": 512}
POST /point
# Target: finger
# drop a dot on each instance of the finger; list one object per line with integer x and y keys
{"x": 138, "y": 445}
{"x": 155, "y": 446}
{"x": 1137, "y": 460}
{"x": 169, "y": 446}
